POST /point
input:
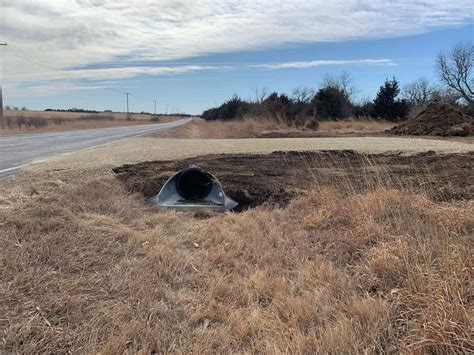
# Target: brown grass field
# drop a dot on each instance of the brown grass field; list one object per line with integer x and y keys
{"x": 250, "y": 127}
{"x": 40, "y": 121}
{"x": 87, "y": 267}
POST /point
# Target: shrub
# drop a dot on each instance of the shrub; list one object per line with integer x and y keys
{"x": 21, "y": 121}
{"x": 97, "y": 117}
{"x": 386, "y": 104}
{"x": 9, "y": 122}
{"x": 231, "y": 109}
{"x": 331, "y": 102}
{"x": 278, "y": 106}
{"x": 363, "y": 109}
{"x": 36, "y": 122}
{"x": 58, "y": 120}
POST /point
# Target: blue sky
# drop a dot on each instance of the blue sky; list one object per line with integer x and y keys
{"x": 193, "y": 63}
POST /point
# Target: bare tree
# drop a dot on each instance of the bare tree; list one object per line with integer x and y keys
{"x": 418, "y": 92}
{"x": 260, "y": 94}
{"x": 342, "y": 82}
{"x": 445, "y": 94}
{"x": 303, "y": 94}
{"x": 455, "y": 70}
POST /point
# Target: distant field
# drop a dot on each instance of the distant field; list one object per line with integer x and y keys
{"x": 25, "y": 121}
{"x": 74, "y": 115}
{"x": 264, "y": 127}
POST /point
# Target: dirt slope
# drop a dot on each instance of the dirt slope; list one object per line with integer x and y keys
{"x": 437, "y": 119}
{"x": 278, "y": 177}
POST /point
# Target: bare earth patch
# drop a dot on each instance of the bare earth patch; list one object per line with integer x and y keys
{"x": 277, "y": 178}
{"x": 102, "y": 160}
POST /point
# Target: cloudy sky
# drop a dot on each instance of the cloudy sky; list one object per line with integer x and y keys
{"x": 190, "y": 55}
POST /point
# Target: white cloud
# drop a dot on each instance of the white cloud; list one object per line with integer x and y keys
{"x": 65, "y": 34}
{"x": 111, "y": 73}
{"x": 128, "y": 72}
{"x": 49, "y": 88}
{"x": 318, "y": 63}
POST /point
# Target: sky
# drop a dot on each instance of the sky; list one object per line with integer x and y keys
{"x": 192, "y": 55}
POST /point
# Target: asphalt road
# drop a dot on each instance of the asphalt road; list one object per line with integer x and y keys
{"x": 18, "y": 150}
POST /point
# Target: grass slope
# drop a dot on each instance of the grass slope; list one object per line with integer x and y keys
{"x": 87, "y": 267}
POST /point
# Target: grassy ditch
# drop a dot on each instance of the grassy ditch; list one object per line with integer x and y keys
{"x": 87, "y": 267}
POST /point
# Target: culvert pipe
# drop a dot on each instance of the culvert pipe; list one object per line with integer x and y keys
{"x": 194, "y": 184}
{"x": 193, "y": 188}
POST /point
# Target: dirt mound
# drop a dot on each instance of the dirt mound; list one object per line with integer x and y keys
{"x": 276, "y": 178}
{"x": 437, "y": 119}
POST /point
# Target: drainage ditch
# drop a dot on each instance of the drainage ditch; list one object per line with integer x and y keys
{"x": 254, "y": 180}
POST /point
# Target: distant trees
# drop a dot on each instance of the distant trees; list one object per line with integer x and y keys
{"x": 455, "y": 70}
{"x": 418, "y": 92}
{"x": 278, "y": 105}
{"x": 331, "y": 102}
{"x": 335, "y": 97}
{"x": 300, "y": 102}
{"x": 231, "y": 109}
{"x": 74, "y": 109}
{"x": 445, "y": 94}
{"x": 363, "y": 109}
{"x": 386, "y": 103}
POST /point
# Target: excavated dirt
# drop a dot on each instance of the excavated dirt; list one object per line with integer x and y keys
{"x": 437, "y": 119}
{"x": 276, "y": 178}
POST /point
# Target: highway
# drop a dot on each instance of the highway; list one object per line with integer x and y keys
{"x": 18, "y": 150}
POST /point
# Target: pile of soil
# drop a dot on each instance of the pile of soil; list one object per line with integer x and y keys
{"x": 276, "y": 178}
{"x": 437, "y": 119}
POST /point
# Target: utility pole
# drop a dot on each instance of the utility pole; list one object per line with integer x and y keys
{"x": 128, "y": 113}
{"x": 155, "y": 107}
{"x": 2, "y": 121}
{"x": 166, "y": 109}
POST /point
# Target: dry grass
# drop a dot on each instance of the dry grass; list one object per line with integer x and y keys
{"x": 245, "y": 128}
{"x": 251, "y": 127}
{"x": 87, "y": 267}
{"x": 61, "y": 121}
{"x": 355, "y": 126}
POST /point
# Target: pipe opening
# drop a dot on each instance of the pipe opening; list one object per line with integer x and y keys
{"x": 194, "y": 184}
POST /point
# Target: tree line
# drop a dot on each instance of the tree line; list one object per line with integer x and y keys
{"x": 334, "y": 100}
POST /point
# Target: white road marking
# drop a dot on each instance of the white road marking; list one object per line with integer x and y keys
{"x": 18, "y": 151}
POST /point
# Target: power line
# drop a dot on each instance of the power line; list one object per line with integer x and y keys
{"x": 34, "y": 59}
{"x": 29, "y": 59}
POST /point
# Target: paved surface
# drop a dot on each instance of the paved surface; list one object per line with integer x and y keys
{"x": 17, "y": 150}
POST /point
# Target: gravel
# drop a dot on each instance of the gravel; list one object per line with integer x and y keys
{"x": 102, "y": 159}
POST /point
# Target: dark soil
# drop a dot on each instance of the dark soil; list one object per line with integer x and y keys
{"x": 437, "y": 119}
{"x": 276, "y": 178}
{"x": 316, "y": 134}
